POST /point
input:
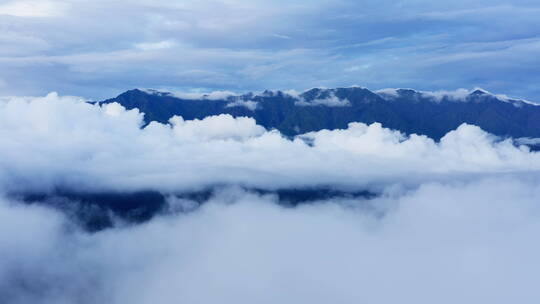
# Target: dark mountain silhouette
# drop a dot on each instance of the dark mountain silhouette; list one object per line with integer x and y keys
{"x": 406, "y": 110}
{"x": 96, "y": 211}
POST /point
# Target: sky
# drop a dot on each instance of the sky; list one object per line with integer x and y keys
{"x": 98, "y": 49}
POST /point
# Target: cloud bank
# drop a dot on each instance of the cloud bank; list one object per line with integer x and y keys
{"x": 446, "y": 243}
{"x": 70, "y": 143}
{"x": 453, "y": 221}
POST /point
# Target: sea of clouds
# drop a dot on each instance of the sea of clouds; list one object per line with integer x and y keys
{"x": 454, "y": 221}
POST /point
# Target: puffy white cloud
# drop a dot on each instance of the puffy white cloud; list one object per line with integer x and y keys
{"x": 221, "y": 127}
{"x": 69, "y": 143}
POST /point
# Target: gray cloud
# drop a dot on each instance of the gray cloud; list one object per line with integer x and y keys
{"x": 99, "y": 48}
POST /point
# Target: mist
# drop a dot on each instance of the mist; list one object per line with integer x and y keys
{"x": 469, "y": 243}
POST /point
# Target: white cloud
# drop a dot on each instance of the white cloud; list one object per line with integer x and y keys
{"x": 220, "y": 127}
{"x": 330, "y": 101}
{"x": 458, "y": 95}
{"x": 215, "y": 95}
{"x": 196, "y": 95}
{"x": 388, "y": 93}
{"x": 292, "y": 93}
{"x": 24, "y": 8}
{"x": 249, "y": 104}
{"x": 107, "y": 149}
{"x": 455, "y": 95}
{"x": 151, "y": 46}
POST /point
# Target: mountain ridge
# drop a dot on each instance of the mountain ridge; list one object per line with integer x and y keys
{"x": 410, "y": 111}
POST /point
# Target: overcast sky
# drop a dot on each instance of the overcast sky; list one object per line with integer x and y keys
{"x": 100, "y": 48}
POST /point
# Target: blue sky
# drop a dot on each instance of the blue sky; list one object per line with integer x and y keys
{"x": 98, "y": 49}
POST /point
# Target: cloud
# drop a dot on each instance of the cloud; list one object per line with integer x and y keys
{"x": 214, "y": 95}
{"x": 445, "y": 243}
{"x": 155, "y": 45}
{"x": 106, "y": 149}
{"x": 459, "y": 94}
{"x": 248, "y": 104}
{"x": 330, "y": 101}
{"x": 528, "y": 141}
{"x": 438, "y": 96}
{"x": 32, "y": 8}
{"x": 281, "y": 36}
{"x": 388, "y": 93}
{"x": 221, "y": 127}
{"x": 455, "y": 95}
{"x": 430, "y": 46}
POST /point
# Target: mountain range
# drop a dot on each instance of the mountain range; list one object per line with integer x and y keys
{"x": 409, "y": 111}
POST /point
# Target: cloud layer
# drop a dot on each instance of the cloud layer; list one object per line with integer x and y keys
{"x": 454, "y": 221}
{"x": 69, "y": 143}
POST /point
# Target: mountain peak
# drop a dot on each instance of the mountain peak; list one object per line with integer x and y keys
{"x": 354, "y": 92}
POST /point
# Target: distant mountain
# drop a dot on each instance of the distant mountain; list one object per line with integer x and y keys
{"x": 410, "y": 111}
